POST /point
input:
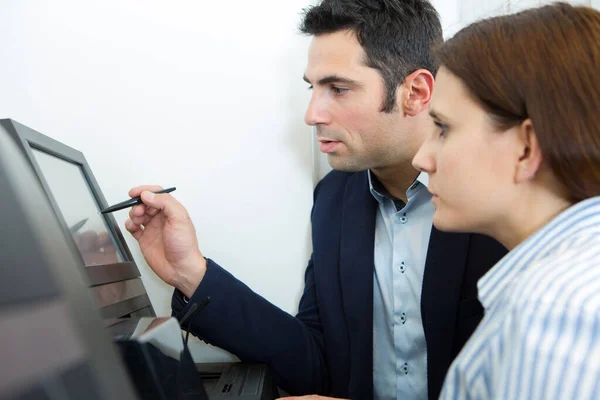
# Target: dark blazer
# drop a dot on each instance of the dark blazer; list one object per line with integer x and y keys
{"x": 327, "y": 348}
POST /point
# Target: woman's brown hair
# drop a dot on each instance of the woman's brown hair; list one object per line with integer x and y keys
{"x": 542, "y": 64}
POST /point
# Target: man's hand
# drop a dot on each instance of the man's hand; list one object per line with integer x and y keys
{"x": 167, "y": 238}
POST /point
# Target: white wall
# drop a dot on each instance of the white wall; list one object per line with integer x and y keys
{"x": 472, "y": 10}
{"x": 205, "y": 96}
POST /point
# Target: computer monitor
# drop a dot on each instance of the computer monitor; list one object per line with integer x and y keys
{"x": 76, "y": 198}
{"x": 53, "y": 344}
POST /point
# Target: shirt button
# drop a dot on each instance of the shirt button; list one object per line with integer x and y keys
{"x": 402, "y": 267}
{"x": 403, "y": 219}
{"x": 403, "y": 318}
{"x": 404, "y": 369}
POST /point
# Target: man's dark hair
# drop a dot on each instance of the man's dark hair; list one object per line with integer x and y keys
{"x": 398, "y": 36}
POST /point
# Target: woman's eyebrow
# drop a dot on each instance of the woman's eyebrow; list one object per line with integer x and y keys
{"x": 437, "y": 115}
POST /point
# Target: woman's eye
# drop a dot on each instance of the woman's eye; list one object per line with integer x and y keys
{"x": 443, "y": 128}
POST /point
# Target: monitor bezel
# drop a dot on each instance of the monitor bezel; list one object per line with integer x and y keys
{"x": 29, "y": 139}
{"x": 69, "y": 309}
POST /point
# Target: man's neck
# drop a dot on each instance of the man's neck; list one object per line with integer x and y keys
{"x": 396, "y": 179}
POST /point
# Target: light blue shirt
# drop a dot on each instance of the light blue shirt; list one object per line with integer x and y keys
{"x": 540, "y": 337}
{"x": 401, "y": 242}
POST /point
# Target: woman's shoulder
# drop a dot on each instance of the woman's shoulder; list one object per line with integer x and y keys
{"x": 568, "y": 278}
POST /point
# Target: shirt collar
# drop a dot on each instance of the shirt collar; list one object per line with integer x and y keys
{"x": 380, "y": 193}
{"x": 541, "y": 244}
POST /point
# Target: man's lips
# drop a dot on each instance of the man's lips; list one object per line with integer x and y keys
{"x": 327, "y": 145}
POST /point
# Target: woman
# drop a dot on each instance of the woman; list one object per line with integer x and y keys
{"x": 516, "y": 155}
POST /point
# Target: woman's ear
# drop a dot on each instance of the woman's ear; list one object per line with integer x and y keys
{"x": 530, "y": 155}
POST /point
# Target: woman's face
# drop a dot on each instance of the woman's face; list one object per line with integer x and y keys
{"x": 471, "y": 164}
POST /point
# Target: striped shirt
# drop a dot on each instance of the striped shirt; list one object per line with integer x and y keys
{"x": 540, "y": 337}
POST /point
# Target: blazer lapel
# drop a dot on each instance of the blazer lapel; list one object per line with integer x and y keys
{"x": 440, "y": 297}
{"x": 356, "y": 278}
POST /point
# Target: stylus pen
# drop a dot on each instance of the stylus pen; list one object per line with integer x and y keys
{"x": 131, "y": 202}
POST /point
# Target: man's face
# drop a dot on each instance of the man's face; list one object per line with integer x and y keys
{"x": 347, "y": 97}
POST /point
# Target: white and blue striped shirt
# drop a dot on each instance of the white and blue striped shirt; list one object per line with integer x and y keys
{"x": 540, "y": 337}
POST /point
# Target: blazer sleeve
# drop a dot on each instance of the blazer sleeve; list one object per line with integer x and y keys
{"x": 245, "y": 324}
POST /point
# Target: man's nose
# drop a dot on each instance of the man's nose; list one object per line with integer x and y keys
{"x": 317, "y": 112}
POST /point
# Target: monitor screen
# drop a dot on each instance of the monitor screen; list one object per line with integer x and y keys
{"x": 80, "y": 210}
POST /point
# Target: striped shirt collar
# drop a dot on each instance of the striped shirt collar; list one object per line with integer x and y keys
{"x": 539, "y": 245}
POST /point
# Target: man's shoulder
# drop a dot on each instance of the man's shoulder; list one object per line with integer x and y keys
{"x": 336, "y": 179}
{"x": 332, "y": 191}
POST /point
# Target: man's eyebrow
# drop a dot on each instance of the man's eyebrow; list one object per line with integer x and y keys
{"x": 332, "y": 79}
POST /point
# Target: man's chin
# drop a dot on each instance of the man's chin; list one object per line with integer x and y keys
{"x": 343, "y": 164}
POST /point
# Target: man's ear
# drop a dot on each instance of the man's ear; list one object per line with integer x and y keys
{"x": 415, "y": 92}
{"x": 529, "y": 154}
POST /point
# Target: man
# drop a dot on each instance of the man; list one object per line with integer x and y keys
{"x": 388, "y": 300}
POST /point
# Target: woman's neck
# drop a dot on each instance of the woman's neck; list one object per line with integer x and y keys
{"x": 532, "y": 211}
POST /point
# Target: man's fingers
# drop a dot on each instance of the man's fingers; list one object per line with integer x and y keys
{"x": 136, "y": 191}
{"x": 151, "y": 211}
{"x": 143, "y": 220}
{"x": 131, "y": 226}
{"x": 142, "y": 210}
{"x": 137, "y": 211}
{"x": 165, "y": 203}
{"x": 135, "y": 229}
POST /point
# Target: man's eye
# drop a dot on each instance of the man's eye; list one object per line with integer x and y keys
{"x": 338, "y": 90}
{"x": 310, "y": 87}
